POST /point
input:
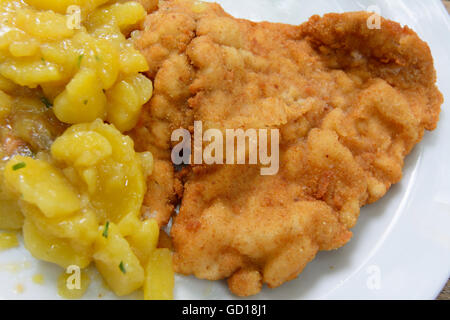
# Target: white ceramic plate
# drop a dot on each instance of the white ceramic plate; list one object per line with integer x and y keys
{"x": 401, "y": 245}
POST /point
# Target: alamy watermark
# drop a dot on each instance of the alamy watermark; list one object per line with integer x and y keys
{"x": 237, "y": 147}
{"x": 73, "y": 282}
{"x": 374, "y": 277}
{"x": 73, "y": 17}
{"x": 374, "y": 21}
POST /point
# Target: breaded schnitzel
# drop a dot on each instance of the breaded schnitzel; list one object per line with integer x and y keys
{"x": 350, "y": 103}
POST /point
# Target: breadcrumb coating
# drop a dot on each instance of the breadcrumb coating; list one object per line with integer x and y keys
{"x": 350, "y": 103}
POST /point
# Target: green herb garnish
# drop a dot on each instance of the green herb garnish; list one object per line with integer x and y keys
{"x": 46, "y": 102}
{"x": 80, "y": 58}
{"x": 122, "y": 267}
{"x": 19, "y": 165}
{"x": 105, "y": 231}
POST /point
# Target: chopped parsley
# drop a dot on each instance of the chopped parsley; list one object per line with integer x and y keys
{"x": 80, "y": 58}
{"x": 46, "y": 102}
{"x": 97, "y": 58}
{"x": 122, "y": 267}
{"x": 105, "y": 231}
{"x": 19, "y": 165}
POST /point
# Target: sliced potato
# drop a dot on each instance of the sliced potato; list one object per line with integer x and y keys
{"x": 159, "y": 276}
{"x": 116, "y": 261}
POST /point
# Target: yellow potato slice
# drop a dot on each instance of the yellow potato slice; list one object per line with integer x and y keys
{"x": 43, "y": 185}
{"x": 159, "y": 276}
{"x": 116, "y": 261}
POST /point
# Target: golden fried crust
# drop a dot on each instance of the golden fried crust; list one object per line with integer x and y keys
{"x": 350, "y": 104}
{"x": 394, "y": 54}
{"x": 245, "y": 283}
{"x": 161, "y": 196}
{"x": 163, "y": 40}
